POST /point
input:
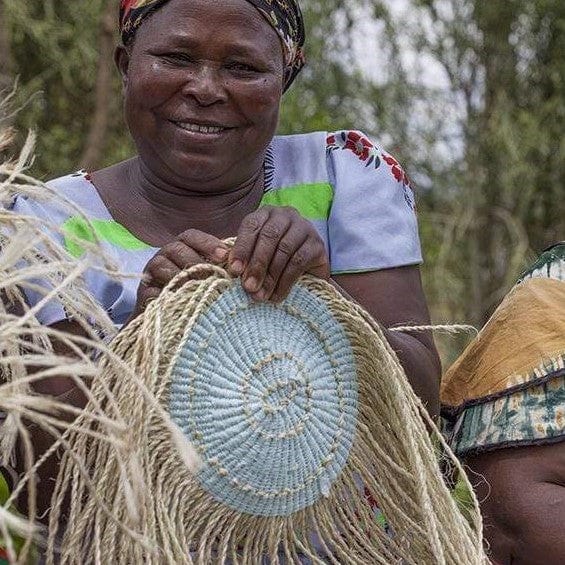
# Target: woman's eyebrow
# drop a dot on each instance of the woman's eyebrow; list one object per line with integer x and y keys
{"x": 180, "y": 39}
{"x": 239, "y": 50}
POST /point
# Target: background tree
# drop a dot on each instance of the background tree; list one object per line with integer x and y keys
{"x": 468, "y": 94}
{"x": 66, "y": 86}
{"x": 6, "y": 61}
{"x": 506, "y": 187}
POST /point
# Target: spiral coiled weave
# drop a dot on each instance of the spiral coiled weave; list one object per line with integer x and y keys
{"x": 268, "y": 396}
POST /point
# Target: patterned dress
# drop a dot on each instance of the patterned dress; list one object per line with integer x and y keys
{"x": 508, "y": 387}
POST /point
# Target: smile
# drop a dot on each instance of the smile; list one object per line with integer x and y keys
{"x": 197, "y": 128}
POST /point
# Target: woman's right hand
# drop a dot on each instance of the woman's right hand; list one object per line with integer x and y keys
{"x": 191, "y": 247}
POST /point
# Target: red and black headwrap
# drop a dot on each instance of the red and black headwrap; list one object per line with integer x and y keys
{"x": 283, "y": 15}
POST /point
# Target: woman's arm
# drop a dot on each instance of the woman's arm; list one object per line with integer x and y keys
{"x": 522, "y": 494}
{"x": 394, "y": 297}
{"x": 65, "y": 390}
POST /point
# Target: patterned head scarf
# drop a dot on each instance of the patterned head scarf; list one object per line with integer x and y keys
{"x": 283, "y": 15}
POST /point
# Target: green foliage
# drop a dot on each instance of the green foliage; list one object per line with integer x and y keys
{"x": 330, "y": 93}
{"x": 506, "y": 196}
{"x": 55, "y": 46}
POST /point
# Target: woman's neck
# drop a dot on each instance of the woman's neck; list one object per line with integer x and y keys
{"x": 211, "y": 200}
{"x": 157, "y": 211}
{"x": 218, "y": 210}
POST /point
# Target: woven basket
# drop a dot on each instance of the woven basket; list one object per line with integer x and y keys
{"x": 301, "y": 418}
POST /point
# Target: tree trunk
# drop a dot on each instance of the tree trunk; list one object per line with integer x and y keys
{"x": 96, "y": 138}
{"x": 6, "y": 61}
{"x": 498, "y": 59}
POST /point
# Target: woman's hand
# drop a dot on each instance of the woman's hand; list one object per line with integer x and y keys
{"x": 191, "y": 247}
{"x": 274, "y": 247}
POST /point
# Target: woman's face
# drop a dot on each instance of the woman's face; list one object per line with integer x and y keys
{"x": 203, "y": 83}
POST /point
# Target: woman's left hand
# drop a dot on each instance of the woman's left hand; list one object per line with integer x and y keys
{"x": 274, "y": 247}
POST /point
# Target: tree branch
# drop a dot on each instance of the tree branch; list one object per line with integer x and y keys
{"x": 99, "y": 126}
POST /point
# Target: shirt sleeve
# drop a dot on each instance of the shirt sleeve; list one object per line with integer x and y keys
{"x": 53, "y": 310}
{"x": 372, "y": 223}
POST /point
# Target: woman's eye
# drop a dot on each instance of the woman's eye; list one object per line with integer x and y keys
{"x": 177, "y": 58}
{"x": 242, "y": 67}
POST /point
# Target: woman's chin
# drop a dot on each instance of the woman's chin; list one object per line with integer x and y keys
{"x": 197, "y": 170}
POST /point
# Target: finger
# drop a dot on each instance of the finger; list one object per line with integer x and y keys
{"x": 292, "y": 240}
{"x": 145, "y": 294}
{"x": 148, "y": 294}
{"x": 275, "y": 229}
{"x": 206, "y": 245}
{"x": 160, "y": 271}
{"x": 246, "y": 238}
{"x": 311, "y": 258}
{"x": 182, "y": 255}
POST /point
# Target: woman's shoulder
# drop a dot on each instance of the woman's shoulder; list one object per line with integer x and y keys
{"x": 352, "y": 139}
{"x": 61, "y": 197}
{"x": 308, "y": 158}
{"x": 356, "y": 150}
{"x": 305, "y": 139}
{"x": 339, "y": 158}
{"x": 77, "y": 188}
{"x": 296, "y": 159}
{"x": 338, "y": 148}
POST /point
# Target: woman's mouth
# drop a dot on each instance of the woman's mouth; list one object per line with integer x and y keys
{"x": 200, "y": 128}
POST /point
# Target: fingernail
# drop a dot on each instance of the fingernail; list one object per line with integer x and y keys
{"x": 251, "y": 284}
{"x": 260, "y": 296}
{"x": 221, "y": 254}
{"x": 236, "y": 268}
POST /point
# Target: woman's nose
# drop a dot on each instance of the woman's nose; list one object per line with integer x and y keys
{"x": 205, "y": 85}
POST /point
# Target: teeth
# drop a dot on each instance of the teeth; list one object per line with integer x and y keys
{"x": 200, "y": 129}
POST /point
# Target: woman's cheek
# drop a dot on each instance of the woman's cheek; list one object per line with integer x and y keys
{"x": 154, "y": 84}
{"x": 262, "y": 99}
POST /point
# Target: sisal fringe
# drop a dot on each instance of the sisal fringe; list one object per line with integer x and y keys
{"x": 30, "y": 251}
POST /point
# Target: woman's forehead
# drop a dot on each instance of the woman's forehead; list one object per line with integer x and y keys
{"x": 232, "y": 13}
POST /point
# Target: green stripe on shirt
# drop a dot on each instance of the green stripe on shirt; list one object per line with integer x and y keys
{"x": 109, "y": 231}
{"x": 313, "y": 201}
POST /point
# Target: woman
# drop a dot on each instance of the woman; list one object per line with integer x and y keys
{"x": 202, "y": 86}
{"x": 505, "y": 400}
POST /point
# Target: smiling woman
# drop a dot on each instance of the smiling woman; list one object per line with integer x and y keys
{"x": 202, "y": 86}
{"x": 203, "y": 99}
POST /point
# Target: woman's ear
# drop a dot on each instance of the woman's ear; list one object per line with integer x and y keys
{"x": 121, "y": 59}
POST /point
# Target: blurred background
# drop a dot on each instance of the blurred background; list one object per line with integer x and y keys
{"x": 468, "y": 94}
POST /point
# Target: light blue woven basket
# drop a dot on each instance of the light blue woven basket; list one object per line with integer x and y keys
{"x": 268, "y": 395}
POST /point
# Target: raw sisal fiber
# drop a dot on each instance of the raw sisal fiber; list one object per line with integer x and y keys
{"x": 299, "y": 412}
{"x": 28, "y": 252}
{"x": 32, "y": 258}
